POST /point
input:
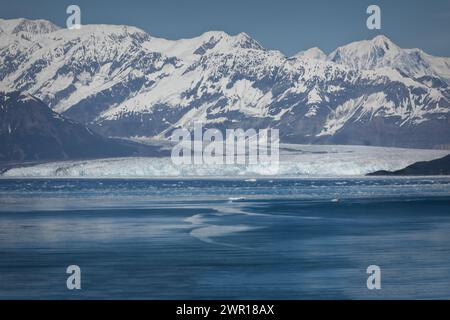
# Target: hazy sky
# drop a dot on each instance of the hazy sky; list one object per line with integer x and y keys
{"x": 287, "y": 25}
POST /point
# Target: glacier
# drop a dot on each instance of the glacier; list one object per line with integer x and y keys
{"x": 295, "y": 161}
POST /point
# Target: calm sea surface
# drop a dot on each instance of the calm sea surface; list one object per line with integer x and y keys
{"x": 225, "y": 239}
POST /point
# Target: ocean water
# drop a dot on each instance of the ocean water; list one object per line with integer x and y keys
{"x": 225, "y": 239}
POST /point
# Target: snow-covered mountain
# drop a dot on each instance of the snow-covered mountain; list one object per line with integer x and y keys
{"x": 122, "y": 81}
{"x": 381, "y": 52}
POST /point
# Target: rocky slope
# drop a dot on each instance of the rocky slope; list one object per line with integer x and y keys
{"x": 435, "y": 167}
{"x": 30, "y": 131}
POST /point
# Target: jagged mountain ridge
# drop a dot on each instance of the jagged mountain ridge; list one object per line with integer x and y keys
{"x": 124, "y": 82}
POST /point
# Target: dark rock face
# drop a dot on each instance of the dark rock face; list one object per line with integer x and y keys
{"x": 30, "y": 131}
{"x": 424, "y": 168}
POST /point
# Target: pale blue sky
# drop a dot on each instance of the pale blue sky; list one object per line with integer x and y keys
{"x": 286, "y": 25}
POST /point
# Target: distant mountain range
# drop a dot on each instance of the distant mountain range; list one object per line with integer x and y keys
{"x": 30, "y": 131}
{"x": 122, "y": 82}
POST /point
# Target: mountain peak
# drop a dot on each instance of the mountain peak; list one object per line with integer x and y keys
{"x": 241, "y": 40}
{"x": 15, "y": 26}
{"x": 214, "y": 34}
{"x": 366, "y": 54}
{"x": 379, "y": 45}
{"x": 247, "y": 42}
{"x": 383, "y": 41}
{"x": 312, "y": 53}
{"x": 381, "y": 52}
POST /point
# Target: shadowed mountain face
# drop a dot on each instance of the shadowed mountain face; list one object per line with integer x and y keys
{"x": 123, "y": 82}
{"x": 30, "y": 131}
{"x": 424, "y": 168}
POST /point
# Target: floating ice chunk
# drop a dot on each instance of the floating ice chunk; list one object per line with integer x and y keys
{"x": 236, "y": 198}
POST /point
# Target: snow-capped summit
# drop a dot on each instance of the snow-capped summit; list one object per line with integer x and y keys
{"x": 245, "y": 41}
{"x": 366, "y": 54}
{"x": 312, "y": 53}
{"x": 381, "y": 52}
{"x": 16, "y": 26}
{"x": 221, "y": 41}
{"x": 383, "y": 41}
